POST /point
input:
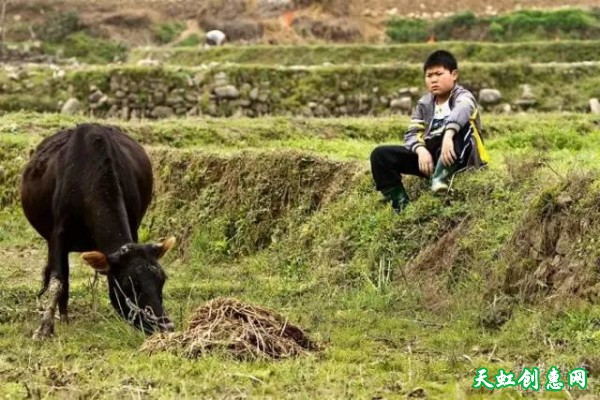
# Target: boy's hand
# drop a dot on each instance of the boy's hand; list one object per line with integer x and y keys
{"x": 425, "y": 161}
{"x": 448, "y": 155}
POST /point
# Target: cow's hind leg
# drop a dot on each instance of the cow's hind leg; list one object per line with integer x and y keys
{"x": 45, "y": 284}
{"x": 57, "y": 285}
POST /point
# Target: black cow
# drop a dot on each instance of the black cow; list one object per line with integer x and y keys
{"x": 86, "y": 189}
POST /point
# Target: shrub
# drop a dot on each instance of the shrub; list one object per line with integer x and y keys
{"x": 166, "y": 32}
{"x": 190, "y": 41}
{"x": 56, "y": 28}
{"x": 93, "y": 50}
{"x": 408, "y": 30}
{"x": 517, "y": 26}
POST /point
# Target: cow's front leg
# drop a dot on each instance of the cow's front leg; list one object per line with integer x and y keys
{"x": 46, "y": 328}
{"x": 58, "y": 288}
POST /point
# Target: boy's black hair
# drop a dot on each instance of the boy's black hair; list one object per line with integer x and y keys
{"x": 441, "y": 58}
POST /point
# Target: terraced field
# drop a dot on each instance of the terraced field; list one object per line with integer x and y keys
{"x": 280, "y": 210}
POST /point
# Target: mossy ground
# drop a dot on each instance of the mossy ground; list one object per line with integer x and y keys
{"x": 282, "y": 213}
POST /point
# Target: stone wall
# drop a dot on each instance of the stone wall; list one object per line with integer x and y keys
{"x": 157, "y": 92}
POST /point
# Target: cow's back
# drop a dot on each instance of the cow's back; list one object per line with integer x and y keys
{"x": 80, "y": 177}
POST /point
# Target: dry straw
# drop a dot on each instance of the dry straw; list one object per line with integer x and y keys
{"x": 242, "y": 330}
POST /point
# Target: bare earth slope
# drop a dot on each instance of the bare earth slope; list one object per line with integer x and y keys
{"x": 132, "y": 20}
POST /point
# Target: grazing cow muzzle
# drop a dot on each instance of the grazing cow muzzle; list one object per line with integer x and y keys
{"x": 136, "y": 280}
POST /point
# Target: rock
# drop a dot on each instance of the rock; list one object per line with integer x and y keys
{"x": 403, "y": 104}
{"x": 527, "y": 92}
{"x": 344, "y": 85}
{"x": 362, "y": 98}
{"x": 404, "y": 91}
{"x": 245, "y": 88}
{"x": 489, "y": 96}
{"x": 254, "y": 94}
{"x": 221, "y": 79}
{"x": 263, "y": 97}
{"x": 321, "y": 111}
{"x": 312, "y": 105}
{"x": 227, "y": 92}
{"x": 158, "y": 96}
{"x": 113, "y": 111}
{"x": 191, "y": 98}
{"x": 95, "y": 96}
{"x": 125, "y": 112}
{"x": 330, "y": 29}
{"x": 418, "y": 393}
{"x": 506, "y": 108}
{"x": 306, "y": 111}
{"x": 594, "y": 106}
{"x": 340, "y": 100}
{"x": 148, "y": 62}
{"x": 269, "y": 7}
{"x": 71, "y": 107}
{"x": 162, "y": 112}
{"x": 262, "y": 108}
{"x": 245, "y": 103}
{"x": 526, "y": 103}
{"x": 414, "y": 91}
{"x": 114, "y": 84}
{"x": 119, "y": 94}
{"x": 211, "y": 109}
{"x": 564, "y": 200}
{"x": 174, "y": 100}
{"x": 103, "y": 100}
{"x": 384, "y": 100}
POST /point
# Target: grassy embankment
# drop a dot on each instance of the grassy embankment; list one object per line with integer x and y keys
{"x": 526, "y": 52}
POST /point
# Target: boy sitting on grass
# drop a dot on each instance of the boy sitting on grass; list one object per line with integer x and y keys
{"x": 443, "y": 136}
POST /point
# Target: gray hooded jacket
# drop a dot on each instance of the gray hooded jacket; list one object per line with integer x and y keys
{"x": 464, "y": 114}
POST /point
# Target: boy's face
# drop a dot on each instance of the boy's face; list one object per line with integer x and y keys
{"x": 440, "y": 81}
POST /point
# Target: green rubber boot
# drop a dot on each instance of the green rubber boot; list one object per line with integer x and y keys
{"x": 397, "y": 196}
{"x": 440, "y": 180}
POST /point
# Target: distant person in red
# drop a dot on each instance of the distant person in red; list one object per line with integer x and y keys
{"x": 444, "y": 135}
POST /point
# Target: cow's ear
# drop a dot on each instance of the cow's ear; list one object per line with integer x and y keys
{"x": 96, "y": 260}
{"x": 162, "y": 248}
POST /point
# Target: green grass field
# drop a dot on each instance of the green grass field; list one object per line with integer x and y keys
{"x": 282, "y": 213}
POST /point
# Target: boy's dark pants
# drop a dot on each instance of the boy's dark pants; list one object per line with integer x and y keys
{"x": 388, "y": 162}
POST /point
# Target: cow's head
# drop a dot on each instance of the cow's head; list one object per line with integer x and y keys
{"x": 135, "y": 283}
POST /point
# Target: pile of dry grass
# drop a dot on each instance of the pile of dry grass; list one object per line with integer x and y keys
{"x": 242, "y": 330}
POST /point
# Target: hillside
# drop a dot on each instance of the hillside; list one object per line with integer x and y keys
{"x": 268, "y": 21}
